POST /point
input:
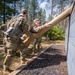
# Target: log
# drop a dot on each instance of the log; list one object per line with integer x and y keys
{"x": 49, "y": 25}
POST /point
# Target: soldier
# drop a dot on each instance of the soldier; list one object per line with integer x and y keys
{"x": 34, "y": 29}
{"x": 13, "y": 38}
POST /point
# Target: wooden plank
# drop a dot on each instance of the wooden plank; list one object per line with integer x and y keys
{"x": 24, "y": 65}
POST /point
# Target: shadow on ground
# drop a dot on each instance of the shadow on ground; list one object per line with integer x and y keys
{"x": 53, "y": 56}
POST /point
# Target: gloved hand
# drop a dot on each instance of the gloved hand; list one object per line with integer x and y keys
{"x": 24, "y": 36}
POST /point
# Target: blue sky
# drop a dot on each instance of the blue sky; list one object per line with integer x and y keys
{"x": 44, "y": 4}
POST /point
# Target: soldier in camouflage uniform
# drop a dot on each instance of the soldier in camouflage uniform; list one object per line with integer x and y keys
{"x": 34, "y": 29}
{"x": 13, "y": 40}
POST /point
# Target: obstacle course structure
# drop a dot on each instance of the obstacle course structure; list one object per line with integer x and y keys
{"x": 70, "y": 36}
{"x": 49, "y": 25}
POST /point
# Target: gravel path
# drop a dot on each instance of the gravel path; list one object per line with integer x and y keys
{"x": 51, "y": 62}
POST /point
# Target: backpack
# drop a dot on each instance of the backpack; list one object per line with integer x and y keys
{"x": 12, "y": 30}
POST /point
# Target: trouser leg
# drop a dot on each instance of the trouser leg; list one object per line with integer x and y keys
{"x": 39, "y": 44}
{"x": 4, "y": 50}
{"x": 34, "y": 45}
{"x": 22, "y": 56}
{"x": 11, "y": 51}
{"x": 7, "y": 61}
{"x": 22, "y": 51}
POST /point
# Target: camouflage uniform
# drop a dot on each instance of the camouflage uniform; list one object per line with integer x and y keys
{"x": 37, "y": 42}
{"x": 35, "y": 29}
{"x": 13, "y": 41}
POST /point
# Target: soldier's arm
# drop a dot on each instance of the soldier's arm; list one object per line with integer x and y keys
{"x": 38, "y": 29}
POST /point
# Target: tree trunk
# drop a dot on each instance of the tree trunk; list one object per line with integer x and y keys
{"x": 4, "y": 13}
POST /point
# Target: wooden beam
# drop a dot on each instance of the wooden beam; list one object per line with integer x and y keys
{"x": 49, "y": 25}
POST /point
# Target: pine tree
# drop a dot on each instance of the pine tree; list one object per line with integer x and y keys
{"x": 6, "y": 9}
{"x": 32, "y": 10}
{"x": 42, "y": 15}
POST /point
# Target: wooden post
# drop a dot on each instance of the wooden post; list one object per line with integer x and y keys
{"x": 50, "y": 24}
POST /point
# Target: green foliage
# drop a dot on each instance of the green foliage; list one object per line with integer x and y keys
{"x": 56, "y": 33}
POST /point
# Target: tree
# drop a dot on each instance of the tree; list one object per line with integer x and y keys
{"x": 49, "y": 18}
{"x": 32, "y": 11}
{"x": 62, "y": 5}
{"x": 42, "y": 15}
{"x": 7, "y": 10}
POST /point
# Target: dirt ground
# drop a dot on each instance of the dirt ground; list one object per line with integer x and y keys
{"x": 50, "y": 62}
{"x": 29, "y": 53}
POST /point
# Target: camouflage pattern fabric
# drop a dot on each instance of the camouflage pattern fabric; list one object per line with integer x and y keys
{"x": 35, "y": 29}
{"x": 13, "y": 42}
{"x": 12, "y": 46}
{"x": 37, "y": 44}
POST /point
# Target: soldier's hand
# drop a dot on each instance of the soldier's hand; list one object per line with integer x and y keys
{"x": 24, "y": 36}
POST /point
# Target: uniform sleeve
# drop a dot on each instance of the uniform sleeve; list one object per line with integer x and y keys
{"x": 37, "y": 29}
